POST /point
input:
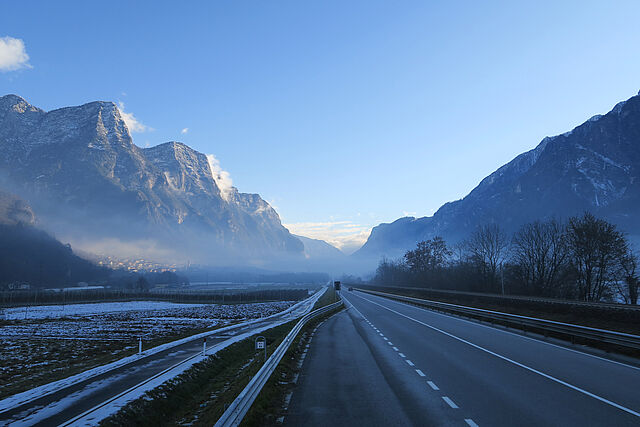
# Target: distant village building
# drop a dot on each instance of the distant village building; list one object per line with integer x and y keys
{"x": 18, "y": 286}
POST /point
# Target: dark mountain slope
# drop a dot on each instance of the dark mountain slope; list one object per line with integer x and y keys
{"x": 29, "y": 255}
{"x": 594, "y": 167}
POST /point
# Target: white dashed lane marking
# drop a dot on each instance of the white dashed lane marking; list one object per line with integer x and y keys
{"x": 450, "y": 402}
{"x": 514, "y": 362}
{"x": 433, "y": 386}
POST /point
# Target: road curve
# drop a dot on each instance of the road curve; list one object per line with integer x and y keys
{"x": 70, "y": 402}
{"x": 384, "y": 362}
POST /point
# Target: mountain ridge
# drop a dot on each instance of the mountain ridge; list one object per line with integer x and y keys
{"x": 592, "y": 167}
{"x": 86, "y": 179}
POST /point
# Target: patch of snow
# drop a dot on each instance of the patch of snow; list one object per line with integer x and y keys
{"x": 295, "y": 311}
{"x": 57, "y": 311}
{"x": 603, "y": 158}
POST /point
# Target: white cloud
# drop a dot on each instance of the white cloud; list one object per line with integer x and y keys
{"x": 132, "y": 122}
{"x": 184, "y": 131}
{"x": 344, "y": 235}
{"x": 220, "y": 176}
{"x": 13, "y": 55}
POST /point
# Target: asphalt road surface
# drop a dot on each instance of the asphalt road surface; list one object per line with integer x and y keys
{"x": 383, "y": 362}
{"x": 69, "y": 402}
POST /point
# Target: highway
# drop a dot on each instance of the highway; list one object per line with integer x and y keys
{"x": 83, "y": 403}
{"x": 383, "y": 362}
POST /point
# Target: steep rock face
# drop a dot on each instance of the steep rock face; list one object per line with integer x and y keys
{"x": 594, "y": 167}
{"x": 81, "y": 172}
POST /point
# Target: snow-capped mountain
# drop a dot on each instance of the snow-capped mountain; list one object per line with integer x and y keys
{"x": 595, "y": 167}
{"x": 87, "y": 181}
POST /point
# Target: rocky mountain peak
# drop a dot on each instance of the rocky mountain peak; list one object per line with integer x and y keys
{"x": 16, "y": 103}
{"x": 183, "y": 167}
{"x": 81, "y": 172}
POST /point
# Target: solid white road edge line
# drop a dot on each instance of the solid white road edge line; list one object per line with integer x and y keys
{"x": 535, "y": 371}
{"x": 494, "y": 328}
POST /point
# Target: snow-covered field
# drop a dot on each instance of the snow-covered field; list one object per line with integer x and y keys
{"x": 54, "y": 341}
{"x": 56, "y": 311}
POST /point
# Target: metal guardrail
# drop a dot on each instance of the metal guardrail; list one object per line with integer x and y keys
{"x": 519, "y": 298}
{"x": 238, "y": 409}
{"x": 523, "y": 322}
{"x": 56, "y": 386}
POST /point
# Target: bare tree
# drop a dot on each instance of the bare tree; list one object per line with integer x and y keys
{"x": 540, "y": 254}
{"x": 631, "y": 282}
{"x": 596, "y": 248}
{"x": 427, "y": 260}
{"x": 390, "y": 272}
{"x": 487, "y": 248}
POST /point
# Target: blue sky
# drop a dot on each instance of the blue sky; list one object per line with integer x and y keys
{"x": 341, "y": 114}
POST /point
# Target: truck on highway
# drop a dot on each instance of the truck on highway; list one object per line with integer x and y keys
{"x": 336, "y": 285}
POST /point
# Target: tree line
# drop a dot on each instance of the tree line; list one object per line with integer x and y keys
{"x": 585, "y": 258}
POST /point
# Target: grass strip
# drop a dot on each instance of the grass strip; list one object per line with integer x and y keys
{"x": 269, "y": 408}
{"x": 200, "y": 395}
{"x": 330, "y": 296}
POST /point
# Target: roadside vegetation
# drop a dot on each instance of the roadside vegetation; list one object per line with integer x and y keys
{"x": 199, "y": 396}
{"x": 584, "y": 259}
{"x": 330, "y": 296}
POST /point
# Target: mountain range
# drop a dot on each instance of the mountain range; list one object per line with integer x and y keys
{"x": 89, "y": 184}
{"x": 595, "y": 167}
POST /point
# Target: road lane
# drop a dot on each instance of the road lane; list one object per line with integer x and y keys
{"x": 352, "y": 376}
{"x": 71, "y": 401}
{"x": 502, "y": 378}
